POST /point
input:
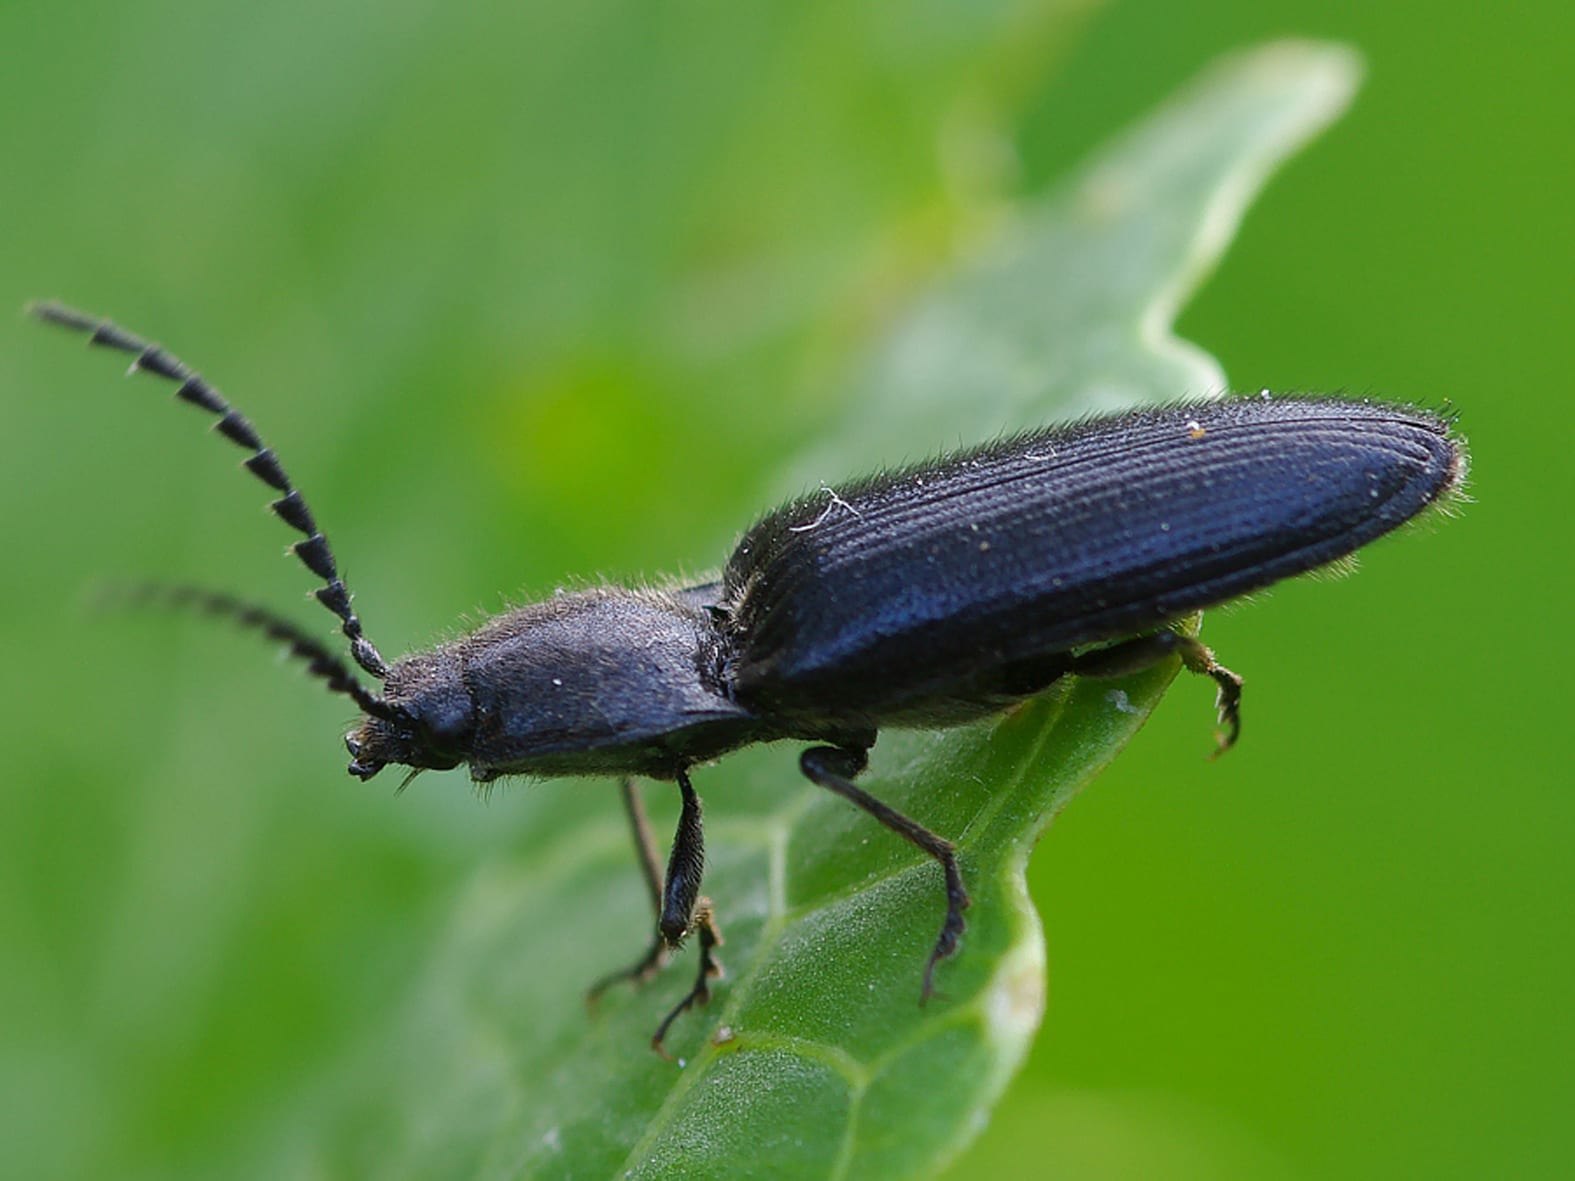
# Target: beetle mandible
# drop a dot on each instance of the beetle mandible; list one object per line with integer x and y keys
{"x": 926, "y": 596}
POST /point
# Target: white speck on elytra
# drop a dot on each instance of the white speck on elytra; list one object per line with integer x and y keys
{"x": 834, "y": 502}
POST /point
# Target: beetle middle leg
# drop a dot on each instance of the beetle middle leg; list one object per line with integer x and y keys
{"x": 834, "y": 767}
{"x": 1134, "y": 655}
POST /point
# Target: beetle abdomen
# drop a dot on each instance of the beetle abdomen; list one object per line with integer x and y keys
{"x": 1057, "y": 538}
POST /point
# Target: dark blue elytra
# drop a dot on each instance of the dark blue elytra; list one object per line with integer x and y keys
{"x": 911, "y": 581}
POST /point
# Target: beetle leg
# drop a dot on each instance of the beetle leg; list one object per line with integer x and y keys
{"x": 644, "y": 841}
{"x": 710, "y": 969}
{"x": 680, "y": 907}
{"x": 685, "y": 865}
{"x": 833, "y": 767}
{"x": 685, "y": 909}
{"x": 1132, "y": 656}
{"x": 655, "y": 957}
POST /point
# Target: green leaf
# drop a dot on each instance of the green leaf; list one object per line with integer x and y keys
{"x": 815, "y": 1057}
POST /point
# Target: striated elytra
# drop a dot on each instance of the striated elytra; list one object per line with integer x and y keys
{"x": 925, "y": 596}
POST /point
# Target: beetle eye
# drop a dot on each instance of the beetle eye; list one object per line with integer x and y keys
{"x": 445, "y": 721}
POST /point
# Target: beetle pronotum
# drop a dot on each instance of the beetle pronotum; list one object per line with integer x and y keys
{"x": 926, "y": 596}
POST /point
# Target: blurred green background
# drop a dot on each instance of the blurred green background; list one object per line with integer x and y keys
{"x": 528, "y": 292}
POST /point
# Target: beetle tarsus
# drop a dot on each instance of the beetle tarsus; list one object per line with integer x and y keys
{"x": 639, "y": 972}
{"x": 1227, "y": 701}
{"x": 710, "y": 969}
{"x": 957, "y": 901}
{"x": 1131, "y": 656}
{"x": 833, "y": 768}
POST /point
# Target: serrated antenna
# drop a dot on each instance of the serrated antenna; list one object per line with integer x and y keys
{"x": 320, "y": 662}
{"x": 290, "y": 507}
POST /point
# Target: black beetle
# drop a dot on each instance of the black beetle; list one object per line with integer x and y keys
{"x": 924, "y": 597}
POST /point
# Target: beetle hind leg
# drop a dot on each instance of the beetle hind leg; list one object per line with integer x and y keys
{"x": 834, "y": 767}
{"x": 1227, "y": 699}
{"x": 1130, "y": 656}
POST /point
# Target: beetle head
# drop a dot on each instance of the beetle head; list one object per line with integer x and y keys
{"x": 427, "y": 721}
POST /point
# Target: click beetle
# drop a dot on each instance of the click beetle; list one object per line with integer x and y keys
{"x": 925, "y": 596}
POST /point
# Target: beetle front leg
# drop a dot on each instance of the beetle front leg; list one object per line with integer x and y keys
{"x": 656, "y": 956}
{"x": 834, "y": 767}
{"x": 685, "y": 909}
{"x": 685, "y": 866}
{"x": 680, "y": 907}
{"x": 710, "y": 969}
